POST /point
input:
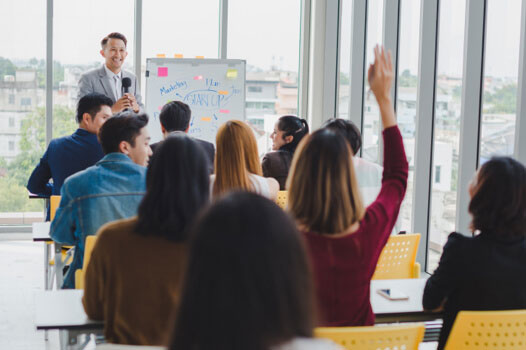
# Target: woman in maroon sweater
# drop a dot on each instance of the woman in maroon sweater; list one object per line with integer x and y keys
{"x": 344, "y": 239}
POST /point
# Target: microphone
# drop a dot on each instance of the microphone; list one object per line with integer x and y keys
{"x": 126, "y": 83}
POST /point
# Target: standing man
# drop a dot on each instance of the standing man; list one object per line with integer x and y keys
{"x": 108, "y": 79}
{"x": 68, "y": 155}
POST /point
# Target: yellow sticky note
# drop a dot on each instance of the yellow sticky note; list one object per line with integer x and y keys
{"x": 161, "y": 55}
{"x": 200, "y": 57}
{"x": 231, "y": 73}
{"x": 206, "y": 119}
{"x": 222, "y": 92}
{"x": 178, "y": 55}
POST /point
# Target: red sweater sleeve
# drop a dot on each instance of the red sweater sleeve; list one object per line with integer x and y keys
{"x": 381, "y": 215}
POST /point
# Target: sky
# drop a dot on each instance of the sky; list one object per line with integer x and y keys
{"x": 262, "y": 32}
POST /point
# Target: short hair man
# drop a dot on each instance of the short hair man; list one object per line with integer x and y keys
{"x": 108, "y": 79}
{"x": 175, "y": 117}
{"x": 110, "y": 190}
{"x": 70, "y": 154}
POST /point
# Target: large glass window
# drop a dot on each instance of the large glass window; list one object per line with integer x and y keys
{"x": 501, "y": 64}
{"x": 267, "y": 35}
{"x": 22, "y": 97}
{"x": 446, "y": 126}
{"x": 344, "y": 89}
{"x": 371, "y": 117}
{"x": 406, "y": 97}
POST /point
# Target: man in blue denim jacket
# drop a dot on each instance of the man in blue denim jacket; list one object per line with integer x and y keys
{"x": 110, "y": 190}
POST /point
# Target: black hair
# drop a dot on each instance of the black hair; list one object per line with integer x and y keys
{"x": 348, "y": 129}
{"x": 92, "y": 103}
{"x": 114, "y": 35}
{"x": 498, "y": 205}
{"x": 247, "y": 283}
{"x": 175, "y": 116}
{"x": 177, "y": 187}
{"x": 123, "y": 126}
{"x": 295, "y": 127}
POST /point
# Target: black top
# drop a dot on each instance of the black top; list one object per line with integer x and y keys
{"x": 208, "y": 147}
{"x": 479, "y": 273}
{"x": 277, "y": 164}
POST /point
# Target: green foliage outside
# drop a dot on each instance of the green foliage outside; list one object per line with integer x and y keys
{"x": 32, "y": 145}
{"x": 407, "y": 80}
{"x": 502, "y": 101}
{"x": 6, "y": 68}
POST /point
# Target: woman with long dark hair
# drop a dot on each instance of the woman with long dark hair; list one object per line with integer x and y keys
{"x": 135, "y": 272}
{"x": 288, "y": 132}
{"x": 248, "y": 283}
{"x": 486, "y": 271}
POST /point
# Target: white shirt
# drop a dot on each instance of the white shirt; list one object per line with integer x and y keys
{"x": 260, "y": 184}
{"x": 115, "y": 81}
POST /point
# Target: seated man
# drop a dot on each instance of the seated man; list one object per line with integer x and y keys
{"x": 70, "y": 154}
{"x": 175, "y": 117}
{"x": 111, "y": 189}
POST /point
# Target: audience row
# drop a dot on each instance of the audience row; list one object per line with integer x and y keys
{"x": 198, "y": 260}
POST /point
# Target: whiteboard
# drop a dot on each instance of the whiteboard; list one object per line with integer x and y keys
{"x": 213, "y": 88}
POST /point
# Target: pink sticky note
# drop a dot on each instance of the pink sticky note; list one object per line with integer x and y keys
{"x": 198, "y": 77}
{"x": 224, "y": 111}
{"x": 162, "y": 71}
{"x": 160, "y": 107}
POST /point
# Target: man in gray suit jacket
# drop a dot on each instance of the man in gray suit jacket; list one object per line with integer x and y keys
{"x": 107, "y": 80}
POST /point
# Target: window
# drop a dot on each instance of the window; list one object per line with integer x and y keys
{"x": 344, "y": 97}
{"x": 407, "y": 94}
{"x": 371, "y": 117}
{"x": 501, "y": 66}
{"x": 446, "y": 140}
{"x": 267, "y": 35}
{"x": 22, "y": 87}
{"x": 255, "y": 89}
{"x": 437, "y": 174}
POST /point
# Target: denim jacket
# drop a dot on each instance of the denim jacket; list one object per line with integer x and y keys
{"x": 110, "y": 190}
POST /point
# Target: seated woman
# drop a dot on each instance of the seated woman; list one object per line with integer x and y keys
{"x": 288, "y": 132}
{"x": 345, "y": 240}
{"x": 487, "y": 271}
{"x": 248, "y": 283}
{"x": 133, "y": 280}
{"x": 237, "y": 164}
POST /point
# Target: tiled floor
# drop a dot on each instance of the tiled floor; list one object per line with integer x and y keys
{"x": 21, "y": 275}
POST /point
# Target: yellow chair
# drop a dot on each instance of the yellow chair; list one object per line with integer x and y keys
{"x": 283, "y": 198}
{"x": 79, "y": 274}
{"x": 488, "y": 330}
{"x": 66, "y": 252}
{"x": 54, "y": 202}
{"x": 406, "y": 337}
{"x": 398, "y": 258}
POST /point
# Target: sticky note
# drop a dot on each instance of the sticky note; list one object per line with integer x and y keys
{"x": 162, "y": 71}
{"x": 206, "y": 119}
{"x": 198, "y": 77}
{"x": 222, "y": 92}
{"x": 161, "y": 55}
{"x": 224, "y": 111}
{"x": 231, "y": 73}
{"x": 178, "y": 55}
{"x": 200, "y": 57}
{"x": 160, "y": 107}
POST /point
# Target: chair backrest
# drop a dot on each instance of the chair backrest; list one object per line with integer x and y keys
{"x": 283, "y": 198}
{"x": 406, "y": 337}
{"x": 488, "y": 330}
{"x": 398, "y": 257}
{"x": 54, "y": 201}
{"x": 79, "y": 274}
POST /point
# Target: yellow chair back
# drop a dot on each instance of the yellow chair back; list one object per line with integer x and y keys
{"x": 406, "y": 337}
{"x": 79, "y": 274}
{"x": 488, "y": 330}
{"x": 283, "y": 198}
{"x": 398, "y": 258}
{"x": 54, "y": 201}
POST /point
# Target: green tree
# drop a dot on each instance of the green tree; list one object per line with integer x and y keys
{"x": 502, "y": 101}
{"x": 6, "y": 68}
{"x": 32, "y": 146}
{"x": 406, "y": 79}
